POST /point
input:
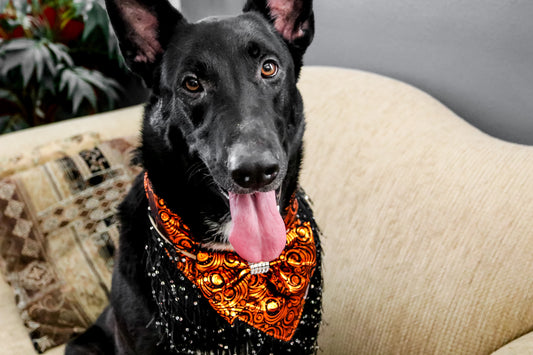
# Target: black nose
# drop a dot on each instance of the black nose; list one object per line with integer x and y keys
{"x": 255, "y": 173}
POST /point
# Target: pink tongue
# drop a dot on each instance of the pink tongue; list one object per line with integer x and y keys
{"x": 258, "y": 231}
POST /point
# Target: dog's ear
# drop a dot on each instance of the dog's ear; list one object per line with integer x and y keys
{"x": 293, "y": 20}
{"x": 143, "y": 28}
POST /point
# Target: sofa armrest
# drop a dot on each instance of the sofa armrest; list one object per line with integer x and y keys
{"x": 124, "y": 122}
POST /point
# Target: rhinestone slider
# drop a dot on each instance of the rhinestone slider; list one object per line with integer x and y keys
{"x": 259, "y": 268}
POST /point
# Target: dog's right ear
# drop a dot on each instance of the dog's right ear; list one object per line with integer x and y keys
{"x": 293, "y": 20}
{"x": 143, "y": 28}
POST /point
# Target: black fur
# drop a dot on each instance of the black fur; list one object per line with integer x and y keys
{"x": 191, "y": 143}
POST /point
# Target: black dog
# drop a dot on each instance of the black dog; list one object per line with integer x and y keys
{"x": 218, "y": 252}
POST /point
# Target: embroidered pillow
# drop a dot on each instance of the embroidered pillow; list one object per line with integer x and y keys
{"x": 58, "y": 234}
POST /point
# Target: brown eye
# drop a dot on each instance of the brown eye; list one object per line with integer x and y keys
{"x": 192, "y": 84}
{"x": 269, "y": 69}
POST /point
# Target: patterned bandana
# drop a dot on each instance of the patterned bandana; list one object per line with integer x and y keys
{"x": 267, "y": 296}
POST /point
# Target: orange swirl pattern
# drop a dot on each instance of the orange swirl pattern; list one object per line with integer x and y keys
{"x": 271, "y": 302}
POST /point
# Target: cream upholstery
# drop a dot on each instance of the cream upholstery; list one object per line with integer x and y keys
{"x": 427, "y": 222}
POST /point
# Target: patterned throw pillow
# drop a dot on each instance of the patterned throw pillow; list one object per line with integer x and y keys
{"x": 58, "y": 235}
{"x": 46, "y": 152}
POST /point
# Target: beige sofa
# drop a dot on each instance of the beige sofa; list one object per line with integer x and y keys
{"x": 427, "y": 222}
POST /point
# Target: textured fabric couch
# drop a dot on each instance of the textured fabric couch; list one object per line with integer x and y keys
{"x": 427, "y": 222}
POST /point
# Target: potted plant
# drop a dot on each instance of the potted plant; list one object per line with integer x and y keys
{"x": 58, "y": 59}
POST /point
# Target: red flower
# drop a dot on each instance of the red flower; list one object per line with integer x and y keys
{"x": 18, "y": 32}
{"x": 71, "y": 30}
{"x": 49, "y": 15}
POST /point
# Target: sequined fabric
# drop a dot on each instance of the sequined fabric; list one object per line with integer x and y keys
{"x": 271, "y": 302}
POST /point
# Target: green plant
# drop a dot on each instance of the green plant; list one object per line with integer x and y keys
{"x": 58, "y": 59}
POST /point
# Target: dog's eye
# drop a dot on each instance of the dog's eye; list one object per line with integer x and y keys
{"x": 269, "y": 69}
{"x": 192, "y": 84}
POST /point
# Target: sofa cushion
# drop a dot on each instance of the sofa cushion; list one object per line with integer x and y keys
{"x": 58, "y": 234}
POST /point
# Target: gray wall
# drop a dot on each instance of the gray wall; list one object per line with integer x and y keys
{"x": 476, "y": 56}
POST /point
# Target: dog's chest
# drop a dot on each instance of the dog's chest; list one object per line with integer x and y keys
{"x": 188, "y": 323}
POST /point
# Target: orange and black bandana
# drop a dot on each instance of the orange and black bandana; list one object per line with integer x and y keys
{"x": 269, "y": 297}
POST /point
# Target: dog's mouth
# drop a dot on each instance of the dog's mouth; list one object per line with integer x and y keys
{"x": 258, "y": 232}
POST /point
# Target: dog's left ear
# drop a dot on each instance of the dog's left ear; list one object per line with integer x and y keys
{"x": 293, "y": 20}
{"x": 143, "y": 28}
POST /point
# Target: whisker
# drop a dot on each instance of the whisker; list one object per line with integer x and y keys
{"x": 195, "y": 169}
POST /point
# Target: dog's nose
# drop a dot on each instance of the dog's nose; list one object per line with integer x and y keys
{"x": 252, "y": 173}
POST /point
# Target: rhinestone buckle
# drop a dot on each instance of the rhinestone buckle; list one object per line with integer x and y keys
{"x": 259, "y": 268}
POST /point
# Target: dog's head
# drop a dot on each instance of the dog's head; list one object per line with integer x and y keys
{"x": 224, "y": 90}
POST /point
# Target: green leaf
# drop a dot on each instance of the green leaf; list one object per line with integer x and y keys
{"x": 48, "y": 59}
{"x": 48, "y": 85}
{"x": 96, "y": 18}
{"x": 114, "y": 51}
{"x": 78, "y": 89}
{"x": 12, "y": 61}
{"x": 70, "y": 13}
{"x": 17, "y": 44}
{"x": 3, "y": 123}
{"x": 9, "y": 95}
{"x": 108, "y": 86}
{"x": 20, "y": 58}
{"x": 84, "y": 91}
{"x": 83, "y": 84}
{"x": 32, "y": 57}
{"x": 36, "y": 5}
{"x": 61, "y": 53}
{"x": 39, "y": 54}
{"x": 12, "y": 123}
{"x": 27, "y": 66}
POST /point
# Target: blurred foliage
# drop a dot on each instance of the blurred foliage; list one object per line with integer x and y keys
{"x": 58, "y": 59}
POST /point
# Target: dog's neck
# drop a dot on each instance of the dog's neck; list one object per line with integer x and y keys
{"x": 280, "y": 285}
